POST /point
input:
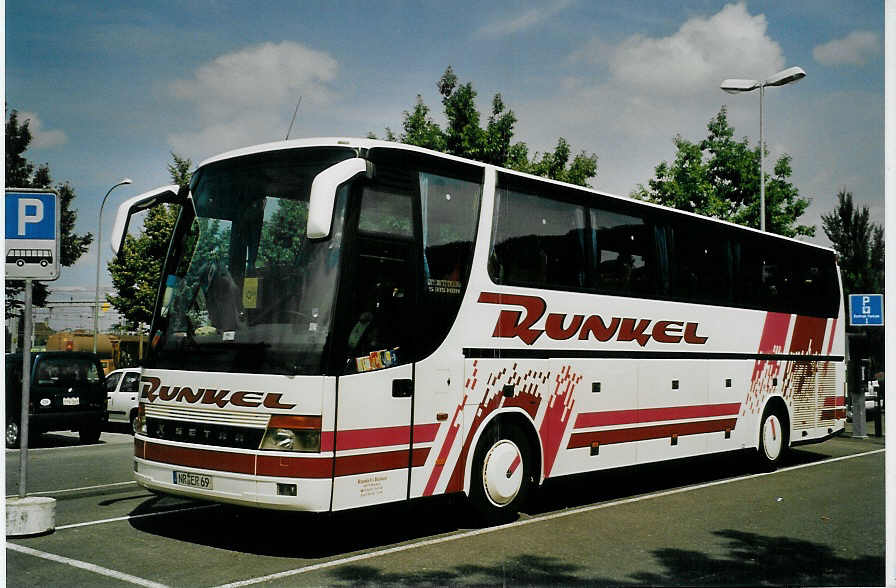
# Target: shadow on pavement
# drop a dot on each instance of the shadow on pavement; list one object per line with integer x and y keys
{"x": 265, "y": 532}
{"x": 247, "y": 530}
{"x": 751, "y": 560}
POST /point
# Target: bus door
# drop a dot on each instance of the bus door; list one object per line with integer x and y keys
{"x": 375, "y": 390}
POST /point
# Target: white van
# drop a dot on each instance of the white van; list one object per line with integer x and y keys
{"x": 122, "y": 391}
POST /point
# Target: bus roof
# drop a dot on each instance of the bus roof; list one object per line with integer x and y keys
{"x": 361, "y": 143}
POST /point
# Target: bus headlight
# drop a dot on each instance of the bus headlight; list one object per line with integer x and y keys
{"x": 292, "y": 433}
{"x": 140, "y": 419}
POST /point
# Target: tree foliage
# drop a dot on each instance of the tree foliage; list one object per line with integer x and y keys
{"x": 719, "y": 177}
{"x": 138, "y": 268}
{"x": 464, "y": 135}
{"x": 859, "y": 244}
{"x": 21, "y": 173}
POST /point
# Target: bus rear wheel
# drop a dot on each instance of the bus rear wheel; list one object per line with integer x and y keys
{"x": 502, "y": 473}
{"x": 773, "y": 439}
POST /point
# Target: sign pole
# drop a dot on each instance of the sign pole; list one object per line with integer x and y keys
{"x": 26, "y": 393}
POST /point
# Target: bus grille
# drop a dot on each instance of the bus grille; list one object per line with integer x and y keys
{"x": 204, "y": 433}
{"x": 233, "y": 429}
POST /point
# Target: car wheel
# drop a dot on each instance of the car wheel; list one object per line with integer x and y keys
{"x": 773, "y": 439}
{"x": 133, "y": 421}
{"x": 90, "y": 433}
{"x": 13, "y": 434}
{"x": 502, "y": 473}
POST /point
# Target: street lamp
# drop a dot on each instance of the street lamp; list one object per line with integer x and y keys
{"x": 99, "y": 244}
{"x": 736, "y": 86}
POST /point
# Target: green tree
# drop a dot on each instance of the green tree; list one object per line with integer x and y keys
{"x": 138, "y": 268}
{"x": 21, "y": 173}
{"x": 719, "y": 177}
{"x": 465, "y": 137}
{"x": 859, "y": 244}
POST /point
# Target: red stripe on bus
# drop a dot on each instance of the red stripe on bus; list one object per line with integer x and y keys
{"x": 831, "y": 414}
{"x": 384, "y": 436}
{"x": 350, "y": 465}
{"x": 294, "y": 467}
{"x": 650, "y": 415}
{"x": 834, "y": 401}
{"x": 833, "y": 334}
{"x": 447, "y": 444}
{"x": 808, "y": 335}
{"x": 139, "y": 448}
{"x": 644, "y": 433}
{"x": 326, "y": 440}
{"x": 283, "y": 466}
{"x": 209, "y": 459}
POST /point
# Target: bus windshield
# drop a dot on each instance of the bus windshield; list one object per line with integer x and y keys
{"x": 246, "y": 290}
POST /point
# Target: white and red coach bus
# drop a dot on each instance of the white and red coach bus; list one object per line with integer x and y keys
{"x": 344, "y": 323}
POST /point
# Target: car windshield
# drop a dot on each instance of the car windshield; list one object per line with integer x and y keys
{"x": 55, "y": 370}
{"x": 248, "y": 292}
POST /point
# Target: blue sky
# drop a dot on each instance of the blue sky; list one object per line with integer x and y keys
{"x": 111, "y": 89}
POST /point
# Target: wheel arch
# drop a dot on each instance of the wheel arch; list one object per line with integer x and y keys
{"x": 511, "y": 416}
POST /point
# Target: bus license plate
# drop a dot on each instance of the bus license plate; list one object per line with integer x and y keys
{"x": 71, "y": 401}
{"x": 193, "y": 480}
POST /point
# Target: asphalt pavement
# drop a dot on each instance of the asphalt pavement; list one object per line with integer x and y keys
{"x": 708, "y": 521}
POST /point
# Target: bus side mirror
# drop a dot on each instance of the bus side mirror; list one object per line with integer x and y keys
{"x": 323, "y": 193}
{"x": 171, "y": 194}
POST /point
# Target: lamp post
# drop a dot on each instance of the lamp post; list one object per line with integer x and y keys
{"x": 736, "y": 86}
{"x": 99, "y": 245}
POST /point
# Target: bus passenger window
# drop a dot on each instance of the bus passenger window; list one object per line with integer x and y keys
{"x": 537, "y": 242}
{"x": 621, "y": 252}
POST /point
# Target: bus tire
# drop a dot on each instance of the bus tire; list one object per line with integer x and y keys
{"x": 13, "y": 433}
{"x": 773, "y": 439}
{"x": 502, "y": 473}
{"x": 90, "y": 432}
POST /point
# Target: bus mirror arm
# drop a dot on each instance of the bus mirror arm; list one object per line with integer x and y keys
{"x": 172, "y": 194}
{"x": 323, "y": 193}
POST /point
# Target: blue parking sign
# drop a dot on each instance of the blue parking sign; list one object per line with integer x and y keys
{"x": 866, "y": 310}
{"x": 30, "y": 215}
{"x": 31, "y": 223}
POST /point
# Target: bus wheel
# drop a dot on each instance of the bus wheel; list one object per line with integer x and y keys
{"x": 502, "y": 473}
{"x": 772, "y": 439}
{"x": 13, "y": 432}
{"x": 20, "y": 262}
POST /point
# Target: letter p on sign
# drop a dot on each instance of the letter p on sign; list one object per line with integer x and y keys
{"x": 31, "y": 210}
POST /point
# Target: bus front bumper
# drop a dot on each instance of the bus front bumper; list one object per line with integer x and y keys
{"x": 299, "y": 494}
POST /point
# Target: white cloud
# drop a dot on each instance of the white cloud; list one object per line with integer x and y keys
{"x": 634, "y": 97}
{"x": 248, "y": 96}
{"x": 521, "y": 22}
{"x": 731, "y": 43}
{"x": 853, "y": 49}
{"x": 42, "y": 138}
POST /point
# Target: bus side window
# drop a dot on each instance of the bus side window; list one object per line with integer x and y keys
{"x": 538, "y": 242}
{"x": 622, "y": 245}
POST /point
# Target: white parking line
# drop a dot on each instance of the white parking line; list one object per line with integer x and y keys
{"x": 135, "y": 517}
{"x": 556, "y": 515}
{"x": 85, "y": 566}
{"x": 76, "y": 489}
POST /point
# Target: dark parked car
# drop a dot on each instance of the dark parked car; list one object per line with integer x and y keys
{"x": 67, "y": 393}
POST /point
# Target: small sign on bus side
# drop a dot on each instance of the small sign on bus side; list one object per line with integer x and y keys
{"x": 32, "y": 241}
